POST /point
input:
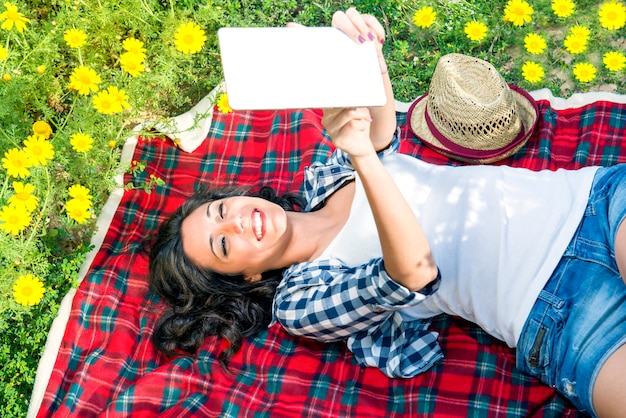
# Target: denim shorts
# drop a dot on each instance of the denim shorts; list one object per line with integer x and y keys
{"x": 579, "y": 318}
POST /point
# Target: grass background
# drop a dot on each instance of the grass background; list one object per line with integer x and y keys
{"x": 55, "y": 247}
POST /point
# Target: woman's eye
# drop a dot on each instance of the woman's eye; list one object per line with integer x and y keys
{"x": 220, "y": 210}
{"x": 223, "y": 245}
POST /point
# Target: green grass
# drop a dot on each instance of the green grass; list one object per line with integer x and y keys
{"x": 53, "y": 246}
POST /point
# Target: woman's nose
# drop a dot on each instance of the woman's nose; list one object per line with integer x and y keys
{"x": 232, "y": 224}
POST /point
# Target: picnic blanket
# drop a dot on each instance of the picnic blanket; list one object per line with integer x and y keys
{"x": 99, "y": 360}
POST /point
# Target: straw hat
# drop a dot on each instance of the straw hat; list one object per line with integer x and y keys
{"x": 471, "y": 114}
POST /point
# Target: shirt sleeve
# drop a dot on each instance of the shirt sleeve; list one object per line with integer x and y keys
{"x": 328, "y": 301}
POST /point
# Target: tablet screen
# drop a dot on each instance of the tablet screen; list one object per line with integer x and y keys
{"x": 297, "y": 68}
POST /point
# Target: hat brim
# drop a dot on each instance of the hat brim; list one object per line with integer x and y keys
{"x": 528, "y": 112}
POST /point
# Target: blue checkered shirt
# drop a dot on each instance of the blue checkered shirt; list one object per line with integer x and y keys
{"x": 329, "y": 301}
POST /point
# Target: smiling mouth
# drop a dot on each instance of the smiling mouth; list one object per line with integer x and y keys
{"x": 258, "y": 224}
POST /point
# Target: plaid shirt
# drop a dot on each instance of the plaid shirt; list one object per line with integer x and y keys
{"x": 329, "y": 301}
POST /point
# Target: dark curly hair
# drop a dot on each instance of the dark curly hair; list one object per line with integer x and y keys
{"x": 203, "y": 302}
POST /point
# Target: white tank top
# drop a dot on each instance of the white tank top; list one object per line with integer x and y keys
{"x": 496, "y": 233}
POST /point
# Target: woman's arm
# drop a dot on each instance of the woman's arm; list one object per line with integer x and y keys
{"x": 366, "y": 28}
{"x": 406, "y": 252}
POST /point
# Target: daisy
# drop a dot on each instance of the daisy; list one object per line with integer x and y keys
{"x": 534, "y": 44}
{"x": 84, "y": 80}
{"x": 581, "y": 32}
{"x": 532, "y": 72}
{"x": 189, "y": 38}
{"x": 134, "y": 46}
{"x": 78, "y": 210}
{"x": 12, "y": 17}
{"x": 475, "y": 31}
{"x": 110, "y": 101}
{"x": 612, "y": 15}
{"x": 104, "y": 103}
{"x": 584, "y": 72}
{"x": 14, "y": 219}
{"x": 574, "y": 44}
{"x": 42, "y": 129}
{"x": 518, "y": 12}
{"x": 222, "y": 104}
{"x": 81, "y": 193}
{"x": 132, "y": 63}
{"x": 39, "y": 150}
{"x": 16, "y": 162}
{"x": 119, "y": 97}
{"x": 75, "y": 38}
{"x": 81, "y": 142}
{"x": 425, "y": 17}
{"x": 28, "y": 290}
{"x": 24, "y": 196}
{"x": 614, "y": 61}
{"x": 563, "y": 8}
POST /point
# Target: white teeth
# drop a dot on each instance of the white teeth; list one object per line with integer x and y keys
{"x": 258, "y": 225}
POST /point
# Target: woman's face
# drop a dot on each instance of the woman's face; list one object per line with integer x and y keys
{"x": 236, "y": 235}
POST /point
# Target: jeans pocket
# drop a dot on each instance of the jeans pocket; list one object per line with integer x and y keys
{"x": 535, "y": 349}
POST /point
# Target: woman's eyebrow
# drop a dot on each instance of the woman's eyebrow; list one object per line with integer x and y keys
{"x": 208, "y": 214}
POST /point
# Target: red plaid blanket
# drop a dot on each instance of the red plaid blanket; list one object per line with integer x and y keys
{"x": 107, "y": 366}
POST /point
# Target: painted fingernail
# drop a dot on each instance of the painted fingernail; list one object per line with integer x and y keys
{"x": 369, "y": 35}
{"x": 382, "y": 40}
{"x": 361, "y": 39}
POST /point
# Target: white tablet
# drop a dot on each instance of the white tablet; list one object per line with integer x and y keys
{"x": 297, "y": 68}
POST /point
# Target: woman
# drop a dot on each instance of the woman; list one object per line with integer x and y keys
{"x": 386, "y": 242}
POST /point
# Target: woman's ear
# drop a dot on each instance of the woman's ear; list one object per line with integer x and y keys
{"x": 252, "y": 278}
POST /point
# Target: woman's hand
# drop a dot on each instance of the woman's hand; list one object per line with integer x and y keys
{"x": 366, "y": 28}
{"x": 349, "y": 130}
{"x": 362, "y": 28}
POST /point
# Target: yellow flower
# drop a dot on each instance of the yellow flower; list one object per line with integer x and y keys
{"x": 563, "y": 8}
{"x": 112, "y": 143}
{"x": 425, "y": 17}
{"x": 28, "y": 290}
{"x": 80, "y": 193}
{"x": 41, "y": 69}
{"x": 581, "y": 32}
{"x": 518, "y": 12}
{"x": 39, "y": 150}
{"x": 75, "y": 38}
{"x": 612, "y": 15}
{"x": 23, "y": 196}
{"x": 189, "y": 38}
{"x": 222, "y": 104}
{"x": 81, "y": 142}
{"x": 532, "y": 72}
{"x": 584, "y": 72}
{"x": 134, "y": 46}
{"x": 535, "y": 44}
{"x": 103, "y": 103}
{"x": 132, "y": 63}
{"x": 84, "y": 80}
{"x": 14, "y": 219}
{"x": 111, "y": 101}
{"x": 475, "y": 31}
{"x": 6, "y": 77}
{"x": 42, "y": 129}
{"x": 78, "y": 210}
{"x": 575, "y": 44}
{"x": 614, "y": 61}
{"x": 4, "y": 54}
{"x": 16, "y": 162}
{"x": 12, "y": 17}
{"x": 120, "y": 98}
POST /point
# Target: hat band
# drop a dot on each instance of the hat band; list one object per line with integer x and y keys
{"x": 470, "y": 152}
